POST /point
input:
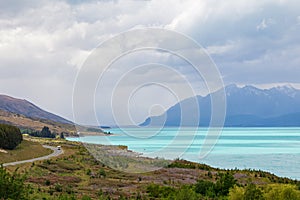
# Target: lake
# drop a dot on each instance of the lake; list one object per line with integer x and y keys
{"x": 276, "y": 150}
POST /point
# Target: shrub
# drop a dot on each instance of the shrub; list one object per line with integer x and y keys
{"x": 88, "y": 172}
{"x": 157, "y": 191}
{"x": 86, "y": 198}
{"x": 206, "y": 188}
{"x": 220, "y": 188}
{"x": 47, "y": 182}
{"x": 12, "y": 186}
{"x": 224, "y": 183}
{"x": 253, "y": 193}
{"x": 58, "y": 187}
{"x": 281, "y": 192}
{"x": 102, "y": 173}
{"x": 236, "y": 193}
{"x": 66, "y": 197}
{"x": 184, "y": 193}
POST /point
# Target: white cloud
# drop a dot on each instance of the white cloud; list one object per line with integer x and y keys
{"x": 220, "y": 49}
{"x": 265, "y": 23}
{"x": 43, "y": 44}
{"x": 298, "y": 20}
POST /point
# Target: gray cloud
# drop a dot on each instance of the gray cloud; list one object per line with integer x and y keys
{"x": 43, "y": 43}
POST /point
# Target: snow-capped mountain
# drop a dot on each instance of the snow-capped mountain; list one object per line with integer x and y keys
{"x": 246, "y": 106}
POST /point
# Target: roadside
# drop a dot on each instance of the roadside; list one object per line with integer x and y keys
{"x": 56, "y": 152}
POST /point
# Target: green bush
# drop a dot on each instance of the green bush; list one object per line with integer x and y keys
{"x": 184, "y": 193}
{"x": 253, "y": 193}
{"x": 102, "y": 173}
{"x": 86, "y": 198}
{"x": 220, "y": 188}
{"x": 58, "y": 187}
{"x": 10, "y": 136}
{"x": 12, "y": 186}
{"x": 282, "y": 192}
{"x": 206, "y": 188}
{"x": 47, "y": 182}
{"x": 224, "y": 183}
{"x": 157, "y": 191}
{"x": 236, "y": 193}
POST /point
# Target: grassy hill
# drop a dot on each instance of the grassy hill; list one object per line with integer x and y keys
{"x": 27, "y": 116}
{"x": 24, "y": 122}
{"x": 26, "y": 150}
{"x": 35, "y": 124}
{"x": 28, "y": 109}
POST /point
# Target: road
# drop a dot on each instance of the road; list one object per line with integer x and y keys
{"x": 55, "y": 153}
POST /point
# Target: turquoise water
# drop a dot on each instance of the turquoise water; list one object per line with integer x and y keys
{"x": 276, "y": 150}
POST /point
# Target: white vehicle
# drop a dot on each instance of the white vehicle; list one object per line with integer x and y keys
{"x": 58, "y": 147}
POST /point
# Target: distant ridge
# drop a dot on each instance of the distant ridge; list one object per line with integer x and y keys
{"x": 28, "y": 109}
{"x": 247, "y": 106}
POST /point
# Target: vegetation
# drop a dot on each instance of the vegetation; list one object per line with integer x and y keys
{"x": 31, "y": 124}
{"x": 10, "y": 136}
{"x": 45, "y": 133}
{"x": 77, "y": 175}
{"x": 25, "y": 150}
{"x": 178, "y": 163}
{"x": 220, "y": 188}
{"x": 270, "y": 192}
{"x": 62, "y": 135}
{"x": 12, "y": 186}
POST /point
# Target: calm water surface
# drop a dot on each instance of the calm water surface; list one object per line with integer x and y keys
{"x": 276, "y": 150}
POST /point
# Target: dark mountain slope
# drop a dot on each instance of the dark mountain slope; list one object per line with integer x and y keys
{"x": 246, "y": 106}
{"x": 24, "y": 107}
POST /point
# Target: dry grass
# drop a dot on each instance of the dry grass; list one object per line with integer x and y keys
{"x": 35, "y": 124}
{"x": 26, "y": 150}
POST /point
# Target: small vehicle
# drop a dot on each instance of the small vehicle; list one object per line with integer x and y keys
{"x": 58, "y": 147}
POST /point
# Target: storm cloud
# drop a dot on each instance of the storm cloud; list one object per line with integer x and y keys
{"x": 44, "y": 43}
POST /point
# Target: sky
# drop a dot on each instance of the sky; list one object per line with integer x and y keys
{"x": 43, "y": 45}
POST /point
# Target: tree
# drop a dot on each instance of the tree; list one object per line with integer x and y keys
{"x": 62, "y": 135}
{"x": 282, "y": 192}
{"x": 253, "y": 193}
{"x": 206, "y": 188}
{"x": 224, "y": 183}
{"x": 46, "y": 132}
{"x": 236, "y": 193}
{"x": 220, "y": 188}
{"x": 10, "y": 136}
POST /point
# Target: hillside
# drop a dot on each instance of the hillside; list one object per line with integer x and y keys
{"x": 24, "y": 122}
{"x": 25, "y": 115}
{"x": 28, "y": 109}
{"x": 246, "y": 106}
{"x": 76, "y": 174}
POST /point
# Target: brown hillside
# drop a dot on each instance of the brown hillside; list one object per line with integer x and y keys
{"x": 26, "y": 108}
{"x": 22, "y": 121}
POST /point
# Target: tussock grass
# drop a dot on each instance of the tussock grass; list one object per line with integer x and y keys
{"x": 26, "y": 150}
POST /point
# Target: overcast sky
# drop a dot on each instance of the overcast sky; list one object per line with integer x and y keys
{"x": 44, "y": 43}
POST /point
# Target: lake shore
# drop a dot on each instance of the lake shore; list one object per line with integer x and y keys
{"x": 84, "y": 169}
{"x": 267, "y": 149}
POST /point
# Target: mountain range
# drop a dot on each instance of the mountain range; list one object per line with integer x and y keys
{"x": 27, "y": 116}
{"x": 28, "y": 109}
{"x": 246, "y": 106}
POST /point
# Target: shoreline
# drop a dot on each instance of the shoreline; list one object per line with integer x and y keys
{"x": 124, "y": 151}
{"x": 268, "y": 149}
